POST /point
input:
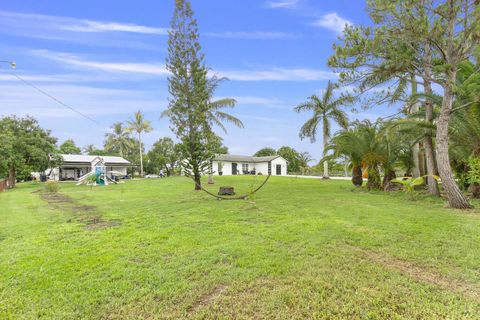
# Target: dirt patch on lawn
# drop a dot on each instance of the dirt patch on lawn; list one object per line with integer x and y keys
{"x": 421, "y": 273}
{"x": 86, "y": 214}
{"x": 97, "y": 223}
{"x": 207, "y": 298}
{"x": 56, "y": 198}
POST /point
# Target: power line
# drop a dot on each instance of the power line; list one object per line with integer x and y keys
{"x": 52, "y": 97}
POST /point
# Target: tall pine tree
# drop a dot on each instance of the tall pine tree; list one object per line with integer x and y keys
{"x": 188, "y": 88}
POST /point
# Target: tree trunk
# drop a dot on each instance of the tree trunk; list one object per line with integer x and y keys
{"x": 198, "y": 182}
{"x": 416, "y": 160}
{"x": 428, "y": 140}
{"x": 416, "y": 148}
{"x": 141, "y": 155}
{"x": 456, "y": 199}
{"x": 210, "y": 174}
{"x": 389, "y": 176}
{"x": 373, "y": 178}
{"x": 357, "y": 177}
{"x": 431, "y": 167}
{"x": 12, "y": 179}
{"x": 325, "y": 144}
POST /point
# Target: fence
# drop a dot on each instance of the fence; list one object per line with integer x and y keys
{"x": 3, "y": 185}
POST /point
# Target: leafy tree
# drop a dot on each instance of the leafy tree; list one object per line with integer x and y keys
{"x": 138, "y": 125}
{"x": 446, "y": 32}
{"x": 325, "y": 109}
{"x": 119, "y": 140}
{"x": 163, "y": 156}
{"x": 347, "y": 143}
{"x": 189, "y": 110}
{"x": 69, "y": 147}
{"x": 304, "y": 158}
{"x": 292, "y": 157}
{"x": 217, "y": 146}
{"x": 23, "y": 144}
{"x": 264, "y": 152}
{"x": 89, "y": 148}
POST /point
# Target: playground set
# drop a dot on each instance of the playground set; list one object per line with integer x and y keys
{"x": 98, "y": 176}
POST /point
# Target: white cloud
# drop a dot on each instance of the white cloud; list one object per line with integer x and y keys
{"x": 278, "y": 74}
{"x": 122, "y": 67}
{"x": 158, "y": 69}
{"x": 332, "y": 21}
{"x": 105, "y": 33}
{"x": 97, "y": 26}
{"x": 289, "y": 4}
{"x": 263, "y": 35}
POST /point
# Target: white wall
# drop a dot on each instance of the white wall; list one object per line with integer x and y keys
{"x": 260, "y": 167}
{"x": 282, "y": 162}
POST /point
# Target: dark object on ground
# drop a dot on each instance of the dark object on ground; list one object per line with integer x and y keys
{"x": 126, "y": 177}
{"x": 220, "y": 173}
{"x": 43, "y": 178}
{"x": 226, "y": 191}
{"x": 259, "y": 174}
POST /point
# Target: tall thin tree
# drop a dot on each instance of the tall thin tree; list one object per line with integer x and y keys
{"x": 192, "y": 111}
{"x": 325, "y": 109}
{"x": 139, "y": 125}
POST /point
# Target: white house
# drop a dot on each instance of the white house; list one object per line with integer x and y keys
{"x": 226, "y": 164}
{"x": 75, "y": 166}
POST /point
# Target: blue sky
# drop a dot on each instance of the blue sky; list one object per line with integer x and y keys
{"x": 106, "y": 58}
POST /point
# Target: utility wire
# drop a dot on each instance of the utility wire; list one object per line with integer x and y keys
{"x": 52, "y": 97}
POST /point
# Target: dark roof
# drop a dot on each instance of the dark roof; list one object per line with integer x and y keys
{"x": 235, "y": 158}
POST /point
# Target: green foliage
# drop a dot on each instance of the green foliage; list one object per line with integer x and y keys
{"x": 217, "y": 146}
{"x": 325, "y": 109}
{"x": 474, "y": 172}
{"x": 69, "y": 147}
{"x": 264, "y": 152}
{"x": 191, "y": 111}
{"x": 409, "y": 184}
{"x": 23, "y": 145}
{"x": 52, "y": 186}
{"x": 119, "y": 141}
{"x": 164, "y": 155}
{"x": 138, "y": 125}
{"x": 292, "y": 157}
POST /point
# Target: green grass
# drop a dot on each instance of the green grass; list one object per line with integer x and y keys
{"x": 302, "y": 249}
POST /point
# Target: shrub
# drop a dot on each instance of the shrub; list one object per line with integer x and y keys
{"x": 52, "y": 186}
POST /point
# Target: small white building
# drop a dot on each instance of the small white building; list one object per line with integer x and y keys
{"x": 75, "y": 166}
{"x": 226, "y": 165}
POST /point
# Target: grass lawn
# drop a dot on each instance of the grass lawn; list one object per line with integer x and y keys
{"x": 155, "y": 249}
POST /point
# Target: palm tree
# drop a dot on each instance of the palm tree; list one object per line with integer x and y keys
{"x": 139, "y": 125}
{"x": 89, "y": 149}
{"x": 304, "y": 158}
{"x": 324, "y": 109}
{"x": 214, "y": 115}
{"x": 347, "y": 143}
{"x": 119, "y": 139}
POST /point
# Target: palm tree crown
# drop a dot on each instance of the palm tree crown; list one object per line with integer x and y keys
{"x": 119, "y": 139}
{"x": 325, "y": 109}
{"x": 139, "y": 125}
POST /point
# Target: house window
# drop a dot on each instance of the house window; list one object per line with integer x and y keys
{"x": 245, "y": 167}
